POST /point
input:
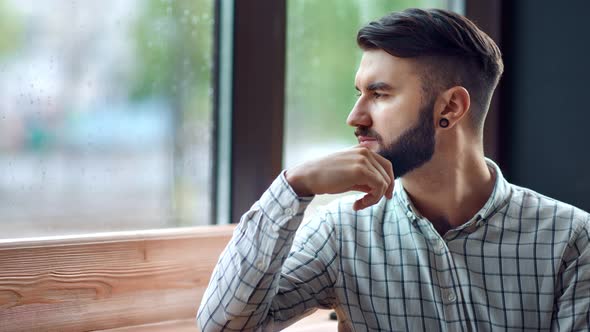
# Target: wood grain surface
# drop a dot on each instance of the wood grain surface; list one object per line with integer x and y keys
{"x": 106, "y": 281}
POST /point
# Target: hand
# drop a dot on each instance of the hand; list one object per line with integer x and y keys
{"x": 358, "y": 169}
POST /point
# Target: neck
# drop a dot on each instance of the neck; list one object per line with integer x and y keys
{"x": 451, "y": 188}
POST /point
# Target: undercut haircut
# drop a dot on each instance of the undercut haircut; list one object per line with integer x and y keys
{"x": 449, "y": 48}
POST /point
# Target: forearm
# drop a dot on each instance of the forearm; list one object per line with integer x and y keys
{"x": 246, "y": 277}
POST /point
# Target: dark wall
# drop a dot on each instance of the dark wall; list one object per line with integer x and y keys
{"x": 546, "y": 110}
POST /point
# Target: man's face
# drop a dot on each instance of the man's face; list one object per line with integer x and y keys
{"x": 391, "y": 116}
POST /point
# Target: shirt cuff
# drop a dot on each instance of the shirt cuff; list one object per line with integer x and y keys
{"x": 282, "y": 206}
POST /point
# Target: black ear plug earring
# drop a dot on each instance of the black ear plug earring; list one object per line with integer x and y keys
{"x": 443, "y": 122}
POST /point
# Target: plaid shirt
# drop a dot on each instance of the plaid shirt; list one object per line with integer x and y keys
{"x": 521, "y": 263}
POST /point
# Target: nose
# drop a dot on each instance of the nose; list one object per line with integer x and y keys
{"x": 359, "y": 115}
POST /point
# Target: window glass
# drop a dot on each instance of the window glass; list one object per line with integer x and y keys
{"x": 322, "y": 58}
{"x": 105, "y": 115}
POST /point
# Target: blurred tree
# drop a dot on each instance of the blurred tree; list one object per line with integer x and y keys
{"x": 11, "y": 28}
{"x": 175, "y": 43}
{"x": 174, "y": 40}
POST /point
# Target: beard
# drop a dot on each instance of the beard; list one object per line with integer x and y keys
{"x": 413, "y": 148}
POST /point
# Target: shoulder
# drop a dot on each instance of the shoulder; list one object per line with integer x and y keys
{"x": 529, "y": 204}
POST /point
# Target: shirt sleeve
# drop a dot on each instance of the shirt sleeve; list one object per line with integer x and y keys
{"x": 262, "y": 279}
{"x": 572, "y": 304}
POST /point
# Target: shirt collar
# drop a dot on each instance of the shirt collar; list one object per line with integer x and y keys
{"x": 499, "y": 198}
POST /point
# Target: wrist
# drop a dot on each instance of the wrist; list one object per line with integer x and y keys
{"x": 297, "y": 183}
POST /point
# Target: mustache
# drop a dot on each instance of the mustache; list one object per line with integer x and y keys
{"x": 368, "y": 132}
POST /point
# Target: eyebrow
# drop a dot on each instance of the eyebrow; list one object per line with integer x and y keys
{"x": 377, "y": 86}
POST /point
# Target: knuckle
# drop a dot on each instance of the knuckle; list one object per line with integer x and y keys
{"x": 358, "y": 169}
{"x": 360, "y": 160}
{"x": 364, "y": 151}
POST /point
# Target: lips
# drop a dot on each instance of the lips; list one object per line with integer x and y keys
{"x": 363, "y": 139}
{"x": 366, "y": 140}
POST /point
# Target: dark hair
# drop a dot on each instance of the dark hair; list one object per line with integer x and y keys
{"x": 451, "y": 48}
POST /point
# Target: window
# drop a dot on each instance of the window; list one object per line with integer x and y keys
{"x": 105, "y": 115}
{"x": 322, "y": 58}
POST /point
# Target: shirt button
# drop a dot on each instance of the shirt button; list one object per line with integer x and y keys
{"x": 260, "y": 265}
{"x": 410, "y": 215}
{"x": 289, "y": 212}
{"x": 451, "y": 297}
{"x": 276, "y": 228}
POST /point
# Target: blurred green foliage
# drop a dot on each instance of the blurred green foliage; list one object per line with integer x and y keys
{"x": 11, "y": 29}
{"x": 322, "y": 58}
{"x": 175, "y": 43}
{"x": 174, "y": 40}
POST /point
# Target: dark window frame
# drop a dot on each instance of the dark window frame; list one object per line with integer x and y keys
{"x": 253, "y": 117}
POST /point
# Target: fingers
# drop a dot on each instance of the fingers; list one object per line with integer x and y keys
{"x": 384, "y": 167}
{"x": 364, "y": 202}
{"x": 374, "y": 176}
{"x": 388, "y": 168}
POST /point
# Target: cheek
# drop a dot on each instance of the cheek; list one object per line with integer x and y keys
{"x": 392, "y": 118}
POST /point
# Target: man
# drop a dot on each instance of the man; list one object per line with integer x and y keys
{"x": 448, "y": 246}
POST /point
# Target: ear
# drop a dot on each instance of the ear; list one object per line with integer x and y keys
{"x": 452, "y": 105}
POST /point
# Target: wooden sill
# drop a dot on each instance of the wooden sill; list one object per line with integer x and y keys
{"x": 125, "y": 281}
{"x": 108, "y": 280}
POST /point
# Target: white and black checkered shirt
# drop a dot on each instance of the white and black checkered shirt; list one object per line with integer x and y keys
{"x": 521, "y": 263}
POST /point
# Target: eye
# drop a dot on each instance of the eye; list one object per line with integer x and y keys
{"x": 377, "y": 95}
